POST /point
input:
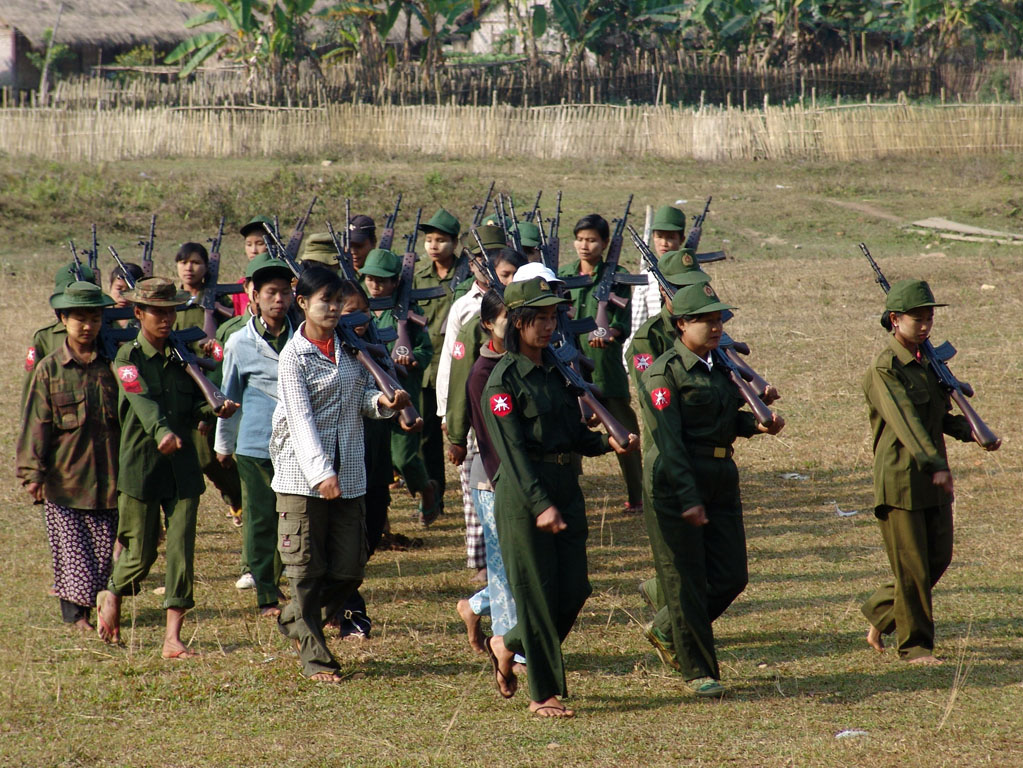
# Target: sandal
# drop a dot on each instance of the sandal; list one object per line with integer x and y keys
{"x": 541, "y": 711}
{"x": 510, "y": 681}
{"x": 428, "y": 517}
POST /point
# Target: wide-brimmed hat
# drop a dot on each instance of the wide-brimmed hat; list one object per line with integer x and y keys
{"x": 531, "y": 293}
{"x": 156, "y": 292}
{"x": 910, "y": 294}
{"x": 68, "y": 274}
{"x": 696, "y": 299}
{"x": 81, "y": 295}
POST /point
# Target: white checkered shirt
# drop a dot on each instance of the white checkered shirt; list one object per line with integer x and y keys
{"x": 319, "y": 413}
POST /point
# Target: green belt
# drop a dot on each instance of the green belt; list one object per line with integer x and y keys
{"x": 561, "y": 459}
{"x": 710, "y": 451}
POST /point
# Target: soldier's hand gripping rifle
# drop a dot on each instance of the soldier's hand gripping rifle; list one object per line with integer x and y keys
{"x": 387, "y": 235}
{"x": 213, "y": 290}
{"x": 937, "y": 357}
{"x": 480, "y": 211}
{"x": 726, "y": 352}
{"x": 604, "y": 291}
{"x": 147, "y": 248}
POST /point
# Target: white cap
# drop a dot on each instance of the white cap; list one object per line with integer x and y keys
{"x": 535, "y": 269}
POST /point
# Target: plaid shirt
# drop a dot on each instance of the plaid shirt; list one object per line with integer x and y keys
{"x": 317, "y": 424}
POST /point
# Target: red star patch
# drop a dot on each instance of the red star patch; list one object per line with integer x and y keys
{"x": 458, "y": 352}
{"x": 642, "y": 362}
{"x": 661, "y": 398}
{"x": 129, "y": 377}
{"x": 218, "y": 351}
{"x": 30, "y": 359}
{"x": 500, "y": 405}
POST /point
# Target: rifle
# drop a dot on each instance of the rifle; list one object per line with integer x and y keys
{"x": 347, "y": 239}
{"x": 147, "y": 249}
{"x": 562, "y": 359}
{"x": 213, "y": 290}
{"x": 480, "y": 211}
{"x": 553, "y": 253}
{"x": 76, "y": 262}
{"x": 604, "y": 290}
{"x": 937, "y": 358}
{"x": 696, "y": 231}
{"x": 344, "y": 255}
{"x": 177, "y": 349}
{"x": 278, "y": 251}
{"x": 531, "y": 216}
{"x": 387, "y": 235}
{"x": 368, "y": 353}
{"x": 403, "y": 313}
{"x": 726, "y": 354}
{"x": 295, "y": 241}
{"x": 93, "y": 257}
{"x": 514, "y": 230}
{"x": 485, "y": 266}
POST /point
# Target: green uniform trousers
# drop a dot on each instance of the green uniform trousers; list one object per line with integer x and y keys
{"x": 407, "y": 459}
{"x": 138, "y": 530}
{"x": 700, "y": 569}
{"x": 224, "y": 480}
{"x": 631, "y": 464}
{"x": 432, "y": 438}
{"x": 259, "y": 526}
{"x": 547, "y": 574}
{"x": 919, "y": 547}
{"x": 323, "y": 547}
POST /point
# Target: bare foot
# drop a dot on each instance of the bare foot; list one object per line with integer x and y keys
{"x": 501, "y": 660}
{"x": 270, "y": 611}
{"x": 929, "y": 661}
{"x": 108, "y": 617}
{"x": 519, "y": 669}
{"x": 874, "y": 639}
{"x": 83, "y": 626}
{"x": 480, "y": 577}
{"x": 472, "y": 625}
{"x": 552, "y": 707}
{"x": 326, "y": 677}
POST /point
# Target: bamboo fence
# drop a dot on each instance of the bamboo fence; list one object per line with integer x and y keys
{"x": 564, "y": 131}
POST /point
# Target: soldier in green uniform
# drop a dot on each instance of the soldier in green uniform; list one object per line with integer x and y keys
{"x": 533, "y": 421}
{"x": 668, "y": 228}
{"x": 381, "y": 272}
{"x": 909, "y": 415}
{"x": 592, "y": 236}
{"x": 441, "y": 238}
{"x": 159, "y": 405}
{"x": 691, "y": 417}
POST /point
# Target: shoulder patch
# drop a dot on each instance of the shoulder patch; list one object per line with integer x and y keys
{"x": 128, "y": 375}
{"x": 218, "y": 351}
{"x": 501, "y": 404}
{"x": 30, "y": 359}
{"x": 642, "y": 362}
{"x": 661, "y": 398}
{"x": 458, "y": 351}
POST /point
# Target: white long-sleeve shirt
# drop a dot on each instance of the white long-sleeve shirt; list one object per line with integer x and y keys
{"x": 462, "y": 311}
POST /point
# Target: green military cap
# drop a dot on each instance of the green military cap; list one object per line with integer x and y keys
{"x": 442, "y": 221}
{"x": 381, "y": 263}
{"x": 79, "y": 295}
{"x": 668, "y": 219}
{"x": 910, "y": 294}
{"x": 156, "y": 292}
{"x": 492, "y": 238}
{"x": 529, "y": 234}
{"x": 531, "y": 293}
{"x": 255, "y": 224}
{"x": 265, "y": 263}
{"x": 682, "y": 268}
{"x": 698, "y": 299}
{"x": 67, "y": 275}
{"x": 319, "y": 247}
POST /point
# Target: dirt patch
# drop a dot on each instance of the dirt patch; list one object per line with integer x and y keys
{"x": 869, "y": 210}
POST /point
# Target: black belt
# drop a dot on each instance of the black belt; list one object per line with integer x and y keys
{"x": 710, "y": 451}
{"x": 561, "y": 459}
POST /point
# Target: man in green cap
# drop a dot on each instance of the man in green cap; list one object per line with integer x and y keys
{"x": 910, "y": 413}
{"x": 532, "y": 419}
{"x": 67, "y": 452}
{"x": 159, "y": 477}
{"x": 441, "y": 238}
{"x": 252, "y": 234}
{"x": 380, "y": 273}
{"x": 691, "y": 416}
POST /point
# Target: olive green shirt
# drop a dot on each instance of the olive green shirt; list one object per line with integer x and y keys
{"x": 465, "y": 352}
{"x": 653, "y": 339}
{"x": 422, "y": 353}
{"x": 530, "y": 413}
{"x": 435, "y": 310}
{"x": 157, "y": 398}
{"x": 909, "y": 414}
{"x": 70, "y": 432}
{"x": 45, "y": 341}
{"x": 608, "y": 372}
{"x": 687, "y": 410}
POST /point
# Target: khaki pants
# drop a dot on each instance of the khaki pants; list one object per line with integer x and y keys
{"x": 323, "y": 548}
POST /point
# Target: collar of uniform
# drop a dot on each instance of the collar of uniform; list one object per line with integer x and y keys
{"x": 428, "y": 270}
{"x": 902, "y": 354}
{"x": 64, "y": 355}
{"x": 666, "y": 317}
{"x": 148, "y": 349}
{"x": 689, "y": 358}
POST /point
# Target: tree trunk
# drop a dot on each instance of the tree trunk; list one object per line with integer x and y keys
{"x": 44, "y": 79}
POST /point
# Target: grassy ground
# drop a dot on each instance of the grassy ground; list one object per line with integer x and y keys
{"x": 798, "y": 671}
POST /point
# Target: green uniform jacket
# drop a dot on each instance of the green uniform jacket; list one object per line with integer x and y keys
{"x": 435, "y": 310}
{"x": 687, "y": 411}
{"x": 652, "y": 340}
{"x": 909, "y": 413}
{"x": 44, "y": 342}
{"x": 422, "y": 351}
{"x": 530, "y": 413}
{"x": 608, "y": 373}
{"x": 70, "y": 432}
{"x": 458, "y": 419}
{"x": 157, "y": 398}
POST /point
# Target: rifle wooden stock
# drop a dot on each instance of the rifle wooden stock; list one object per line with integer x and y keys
{"x": 614, "y": 427}
{"x": 213, "y": 396}
{"x": 409, "y": 416}
{"x": 763, "y": 414}
{"x": 603, "y": 329}
{"x": 758, "y": 382}
{"x": 981, "y": 432}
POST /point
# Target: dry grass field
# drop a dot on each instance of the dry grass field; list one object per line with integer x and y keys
{"x": 799, "y": 674}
